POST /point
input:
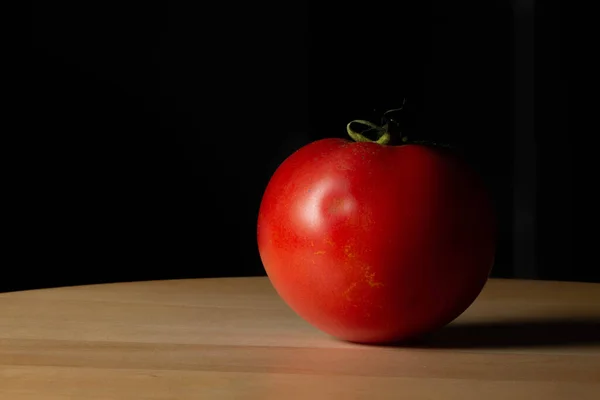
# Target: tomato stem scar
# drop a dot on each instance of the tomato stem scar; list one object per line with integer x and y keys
{"x": 383, "y": 132}
{"x": 384, "y": 135}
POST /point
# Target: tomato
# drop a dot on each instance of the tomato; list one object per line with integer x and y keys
{"x": 374, "y": 243}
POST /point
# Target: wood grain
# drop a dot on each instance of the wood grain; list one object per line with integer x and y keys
{"x": 235, "y": 339}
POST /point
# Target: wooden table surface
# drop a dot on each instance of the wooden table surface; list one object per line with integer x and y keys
{"x": 214, "y": 339}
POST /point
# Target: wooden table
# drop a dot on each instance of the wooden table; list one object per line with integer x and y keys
{"x": 214, "y": 339}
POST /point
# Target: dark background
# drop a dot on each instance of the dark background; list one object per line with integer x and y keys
{"x": 154, "y": 129}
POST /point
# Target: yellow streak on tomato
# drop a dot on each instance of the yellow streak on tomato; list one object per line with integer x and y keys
{"x": 369, "y": 275}
{"x": 349, "y": 252}
{"x": 370, "y": 278}
{"x": 347, "y": 292}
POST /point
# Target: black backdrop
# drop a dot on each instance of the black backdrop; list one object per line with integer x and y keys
{"x": 154, "y": 129}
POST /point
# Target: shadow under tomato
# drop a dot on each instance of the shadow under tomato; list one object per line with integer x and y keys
{"x": 515, "y": 334}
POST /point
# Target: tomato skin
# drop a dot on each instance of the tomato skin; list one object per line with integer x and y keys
{"x": 373, "y": 243}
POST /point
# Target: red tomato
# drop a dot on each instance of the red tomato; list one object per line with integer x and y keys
{"x": 374, "y": 243}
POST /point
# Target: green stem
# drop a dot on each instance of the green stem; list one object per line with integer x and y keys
{"x": 384, "y": 136}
